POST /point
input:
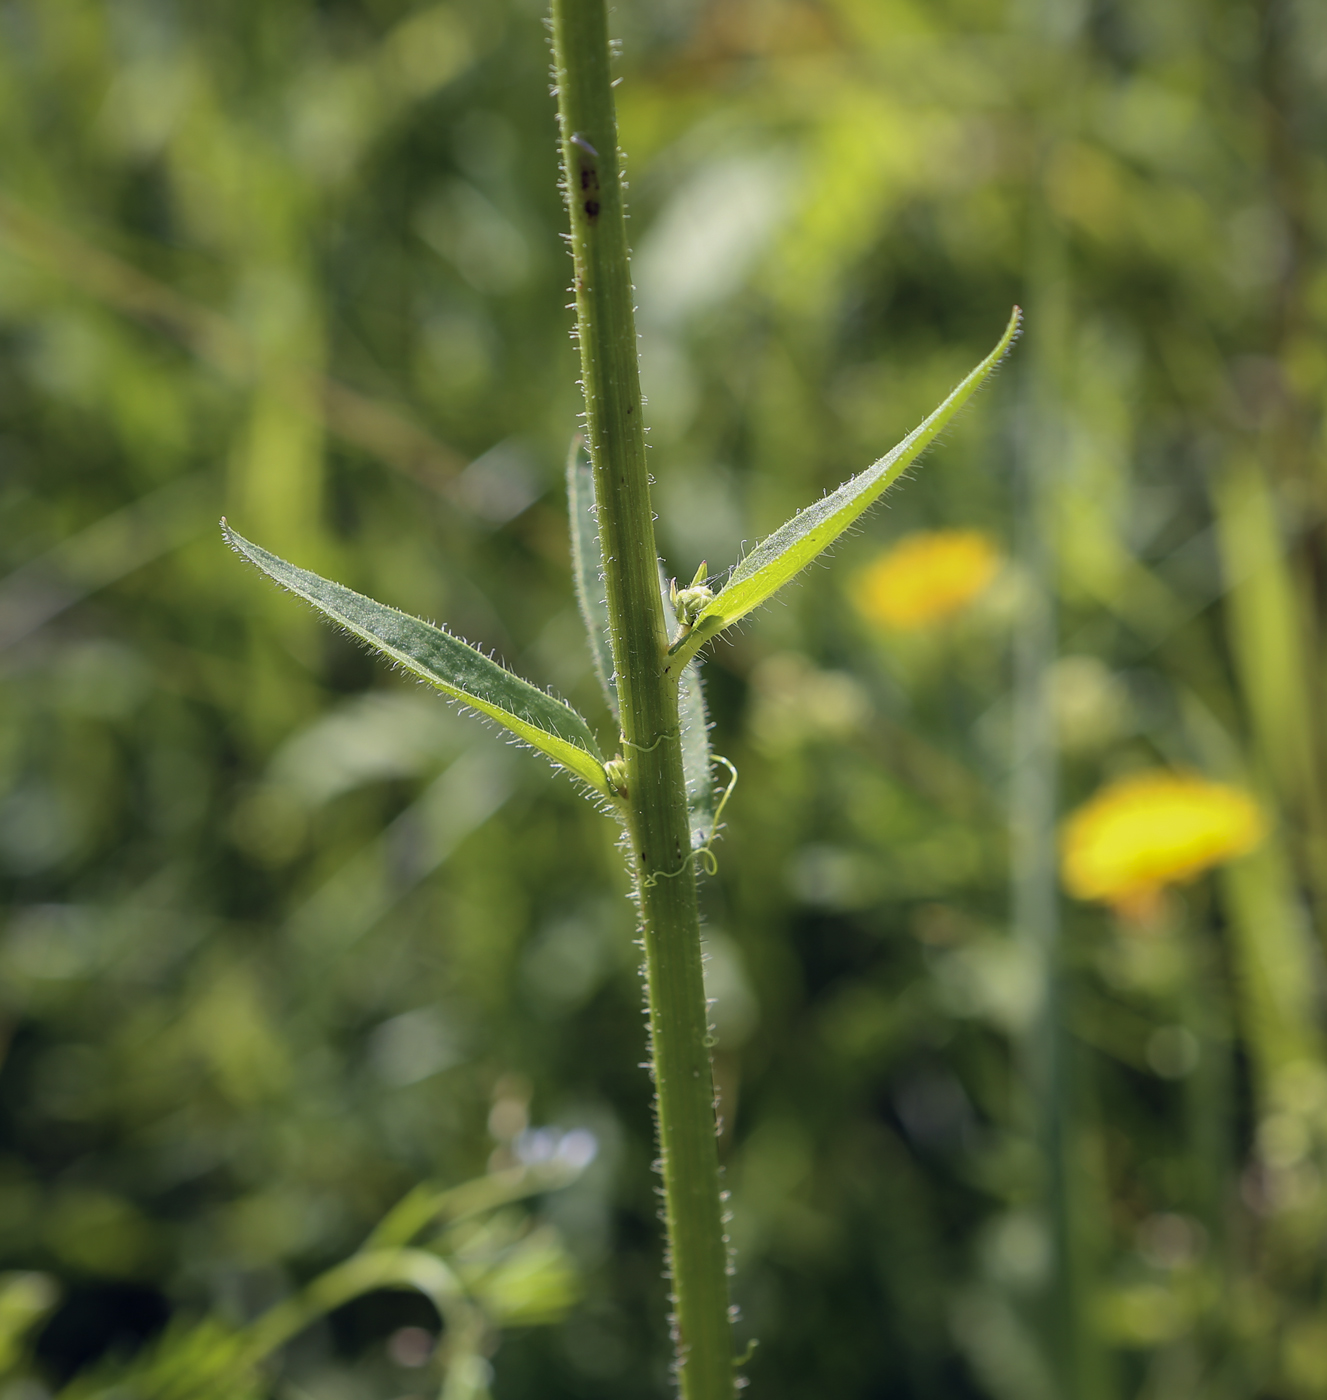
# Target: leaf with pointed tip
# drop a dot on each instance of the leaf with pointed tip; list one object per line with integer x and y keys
{"x": 784, "y": 554}
{"x": 587, "y": 566}
{"x": 457, "y": 669}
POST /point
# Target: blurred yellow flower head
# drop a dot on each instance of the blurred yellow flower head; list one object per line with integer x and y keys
{"x": 1154, "y": 829}
{"x": 925, "y": 578}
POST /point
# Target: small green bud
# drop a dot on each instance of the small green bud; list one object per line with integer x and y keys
{"x": 616, "y": 772}
{"x": 690, "y": 602}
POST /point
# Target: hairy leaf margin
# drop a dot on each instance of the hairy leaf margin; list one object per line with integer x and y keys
{"x": 781, "y": 556}
{"x": 459, "y": 670}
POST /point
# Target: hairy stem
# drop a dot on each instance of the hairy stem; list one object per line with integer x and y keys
{"x": 656, "y": 811}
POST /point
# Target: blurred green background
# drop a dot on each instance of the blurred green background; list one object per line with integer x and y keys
{"x": 284, "y": 936}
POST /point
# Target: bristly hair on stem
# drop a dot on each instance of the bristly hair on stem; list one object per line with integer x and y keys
{"x": 645, "y": 636}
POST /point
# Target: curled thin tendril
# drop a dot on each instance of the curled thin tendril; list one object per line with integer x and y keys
{"x": 705, "y": 853}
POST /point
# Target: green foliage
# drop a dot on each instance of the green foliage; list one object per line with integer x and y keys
{"x": 794, "y": 545}
{"x": 460, "y": 671}
{"x": 25, "y": 1300}
{"x": 491, "y": 1271}
{"x": 247, "y": 266}
{"x": 190, "y": 1361}
{"x": 697, "y": 760}
{"x": 587, "y": 568}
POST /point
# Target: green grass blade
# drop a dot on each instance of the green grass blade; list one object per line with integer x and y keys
{"x": 453, "y": 666}
{"x": 587, "y": 566}
{"x": 784, "y": 554}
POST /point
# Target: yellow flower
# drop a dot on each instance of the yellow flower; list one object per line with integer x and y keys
{"x": 925, "y": 578}
{"x": 1154, "y": 829}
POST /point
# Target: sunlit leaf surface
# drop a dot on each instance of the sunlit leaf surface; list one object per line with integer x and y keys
{"x": 785, "y": 553}
{"x": 456, "y": 668}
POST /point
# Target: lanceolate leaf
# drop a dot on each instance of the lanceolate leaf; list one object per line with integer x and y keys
{"x": 794, "y": 545}
{"x": 697, "y": 765}
{"x": 456, "y": 668}
{"x": 588, "y": 568}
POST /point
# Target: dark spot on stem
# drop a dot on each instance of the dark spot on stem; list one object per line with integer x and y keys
{"x": 591, "y": 208}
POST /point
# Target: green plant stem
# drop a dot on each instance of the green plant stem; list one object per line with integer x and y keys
{"x": 658, "y": 832}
